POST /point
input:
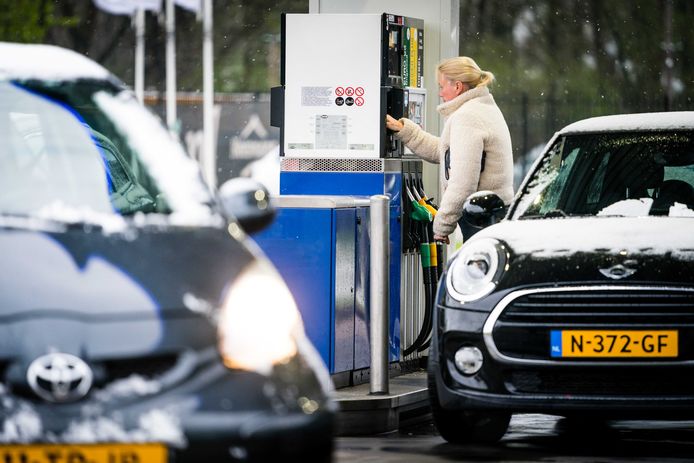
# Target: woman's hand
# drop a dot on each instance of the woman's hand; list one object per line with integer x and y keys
{"x": 442, "y": 238}
{"x": 393, "y": 124}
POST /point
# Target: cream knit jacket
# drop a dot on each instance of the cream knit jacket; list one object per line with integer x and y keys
{"x": 473, "y": 124}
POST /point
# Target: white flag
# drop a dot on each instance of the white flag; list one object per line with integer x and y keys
{"x": 191, "y": 5}
{"x": 127, "y": 6}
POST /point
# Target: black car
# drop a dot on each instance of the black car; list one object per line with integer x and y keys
{"x": 138, "y": 322}
{"x": 580, "y": 302}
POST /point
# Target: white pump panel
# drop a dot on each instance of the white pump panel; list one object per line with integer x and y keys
{"x": 333, "y": 86}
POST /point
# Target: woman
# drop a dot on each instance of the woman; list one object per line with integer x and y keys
{"x": 474, "y": 146}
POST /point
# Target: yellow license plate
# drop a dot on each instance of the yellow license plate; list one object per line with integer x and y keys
{"x": 65, "y": 453}
{"x": 613, "y": 343}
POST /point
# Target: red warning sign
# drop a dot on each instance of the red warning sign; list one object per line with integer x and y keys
{"x": 349, "y": 91}
{"x": 359, "y": 101}
{"x": 359, "y": 91}
{"x": 339, "y": 91}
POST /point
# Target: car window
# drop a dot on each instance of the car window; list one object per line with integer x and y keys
{"x": 47, "y": 157}
{"x": 630, "y": 174}
{"x": 87, "y": 145}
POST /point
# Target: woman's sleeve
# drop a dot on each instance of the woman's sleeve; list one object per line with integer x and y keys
{"x": 467, "y": 144}
{"x": 422, "y": 143}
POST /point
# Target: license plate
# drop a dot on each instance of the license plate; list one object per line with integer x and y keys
{"x": 107, "y": 453}
{"x": 613, "y": 343}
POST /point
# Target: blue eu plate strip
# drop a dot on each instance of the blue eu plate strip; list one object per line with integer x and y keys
{"x": 555, "y": 343}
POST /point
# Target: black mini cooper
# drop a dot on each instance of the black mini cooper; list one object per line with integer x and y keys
{"x": 580, "y": 302}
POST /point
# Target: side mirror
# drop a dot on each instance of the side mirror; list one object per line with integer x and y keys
{"x": 482, "y": 209}
{"x": 248, "y": 202}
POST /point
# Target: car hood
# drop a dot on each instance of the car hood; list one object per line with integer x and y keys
{"x": 88, "y": 273}
{"x": 657, "y": 249}
{"x": 100, "y": 295}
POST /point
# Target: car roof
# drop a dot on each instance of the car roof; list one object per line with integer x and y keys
{"x": 47, "y": 62}
{"x": 633, "y": 123}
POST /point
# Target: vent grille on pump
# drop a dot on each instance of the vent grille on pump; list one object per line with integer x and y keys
{"x": 331, "y": 165}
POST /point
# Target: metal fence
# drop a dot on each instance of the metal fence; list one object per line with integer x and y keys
{"x": 533, "y": 119}
{"x": 244, "y": 133}
{"x": 241, "y": 123}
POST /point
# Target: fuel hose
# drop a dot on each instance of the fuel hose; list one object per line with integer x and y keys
{"x": 426, "y": 264}
{"x": 423, "y": 215}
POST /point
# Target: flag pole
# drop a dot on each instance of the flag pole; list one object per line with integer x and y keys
{"x": 171, "y": 66}
{"x": 209, "y": 155}
{"x": 140, "y": 55}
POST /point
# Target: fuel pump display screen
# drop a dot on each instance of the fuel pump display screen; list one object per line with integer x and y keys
{"x": 333, "y": 86}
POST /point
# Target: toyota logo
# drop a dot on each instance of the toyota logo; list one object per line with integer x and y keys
{"x": 59, "y": 377}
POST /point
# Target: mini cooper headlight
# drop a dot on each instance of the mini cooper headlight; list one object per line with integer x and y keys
{"x": 476, "y": 270}
{"x": 259, "y": 324}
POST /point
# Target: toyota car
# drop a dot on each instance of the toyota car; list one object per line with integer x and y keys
{"x": 138, "y": 322}
{"x": 580, "y": 302}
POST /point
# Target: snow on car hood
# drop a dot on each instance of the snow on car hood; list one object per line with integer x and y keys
{"x": 547, "y": 238}
{"x": 21, "y": 423}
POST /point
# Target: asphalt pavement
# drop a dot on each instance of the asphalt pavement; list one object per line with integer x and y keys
{"x": 532, "y": 438}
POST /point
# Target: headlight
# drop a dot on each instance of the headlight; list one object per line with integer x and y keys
{"x": 259, "y": 324}
{"x": 476, "y": 269}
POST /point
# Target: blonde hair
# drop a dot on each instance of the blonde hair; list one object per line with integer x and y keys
{"x": 464, "y": 69}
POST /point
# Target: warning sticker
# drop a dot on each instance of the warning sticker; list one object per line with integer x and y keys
{"x": 316, "y": 96}
{"x": 331, "y": 132}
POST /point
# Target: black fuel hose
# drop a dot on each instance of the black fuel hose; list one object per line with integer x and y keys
{"x": 432, "y": 270}
{"x": 425, "y": 330}
{"x": 432, "y": 281}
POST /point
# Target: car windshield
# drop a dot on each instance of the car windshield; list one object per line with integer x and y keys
{"x": 613, "y": 174}
{"x": 87, "y": 146}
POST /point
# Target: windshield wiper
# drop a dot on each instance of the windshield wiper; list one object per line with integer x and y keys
{"x": 549, "y": 214}
{"x": 555, "y": 213}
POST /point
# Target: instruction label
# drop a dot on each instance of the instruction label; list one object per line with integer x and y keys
{"x": 362, "y": 147}
{"x": 300, "y": 146}
{"x": 316, "y": 96}
{"x": 331, "y": 132}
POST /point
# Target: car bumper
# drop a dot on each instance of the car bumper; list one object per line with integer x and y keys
{"x": 217, "y": 413}
{"x": 514, "y": 386}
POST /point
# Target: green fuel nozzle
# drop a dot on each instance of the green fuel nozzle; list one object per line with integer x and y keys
{"x": 420, "y": 213}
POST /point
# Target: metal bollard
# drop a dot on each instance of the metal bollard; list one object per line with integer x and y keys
{"x": 379, "y": 278}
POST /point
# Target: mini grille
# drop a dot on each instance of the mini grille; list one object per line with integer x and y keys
{"x": 331, "y": 165}
{"x": 523, "y": 329}
{"x": 635, "y": 305}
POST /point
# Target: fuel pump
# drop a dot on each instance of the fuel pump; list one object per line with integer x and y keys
{"x": 340, "y": 75}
